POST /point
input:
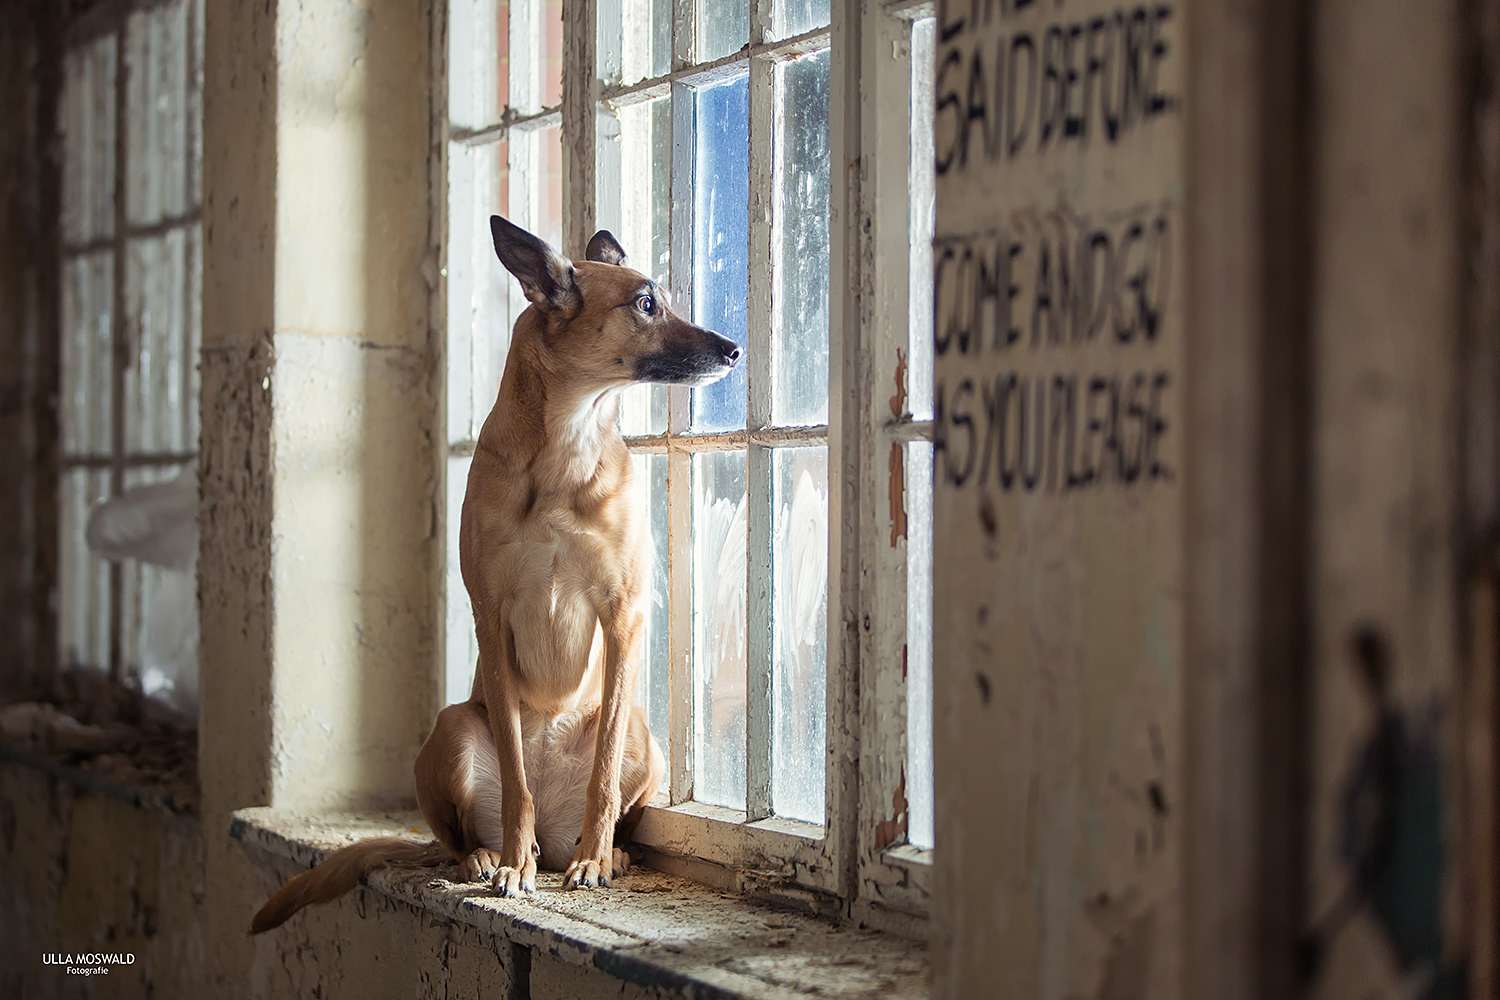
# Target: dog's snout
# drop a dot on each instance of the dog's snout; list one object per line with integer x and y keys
{"x": 729, "y": 349}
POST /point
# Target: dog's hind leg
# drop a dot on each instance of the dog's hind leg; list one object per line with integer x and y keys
{"x": 458, "y": 789}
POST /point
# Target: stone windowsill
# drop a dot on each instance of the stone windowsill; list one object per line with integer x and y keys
{"x": 651, "y": 929}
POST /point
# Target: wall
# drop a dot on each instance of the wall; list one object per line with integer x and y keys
{"x": 29, "y": 199}
{"x": 1218, "y": 710}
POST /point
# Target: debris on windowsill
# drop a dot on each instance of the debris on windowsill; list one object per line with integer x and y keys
{"x": 652, "y": 929}
{"x": 109, "y": 739}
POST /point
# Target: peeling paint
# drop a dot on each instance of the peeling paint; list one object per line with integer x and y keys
{"x": 890, "y": 831}
{"x": 897, "y": 495}
{"x": 898, "y": 401}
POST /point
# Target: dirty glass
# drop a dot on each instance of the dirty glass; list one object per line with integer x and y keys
{"x": 723, "y": 28}
{"x": 721, "y": 216}
{"x": 799, "y": 389}
{"x": 462, "y": 650}
{"x": 923, "y": 193}
{"x": 159, "y": 287}
{"x": 159, "y": 132}
{"x": 644, "y": 230}
{"x": 800, "y": 631}
{"x": 653, "y": 681}
{"x": 919, "y": 643}
{"x": 719, "y": 627}
{"x": 83, "y": 620}
{"x": 478, "y": 62}
{"x": 645, "y": 39}
{"x": 87, "y": 123}
{"x": 793, "y": 17}
{"x": 87, "y": 355}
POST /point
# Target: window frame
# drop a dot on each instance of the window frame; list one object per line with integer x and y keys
{"x": 124, "y": 586}
{"x": 857, "y": 861}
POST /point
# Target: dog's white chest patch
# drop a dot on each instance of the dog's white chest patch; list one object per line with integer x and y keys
{"x": 552, "y": 615}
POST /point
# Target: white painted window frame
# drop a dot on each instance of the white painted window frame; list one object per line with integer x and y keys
{"x": 858, "y": 861}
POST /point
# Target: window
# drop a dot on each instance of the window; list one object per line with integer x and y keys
{"x": 706, "y": 143}
{"x": 129, "y": 119}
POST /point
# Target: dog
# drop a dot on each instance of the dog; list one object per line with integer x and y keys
{"x": 548, "y": 761}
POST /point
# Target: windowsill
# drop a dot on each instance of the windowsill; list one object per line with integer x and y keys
{"x": 145, "y": 763}
{"x": 650, "y": 929}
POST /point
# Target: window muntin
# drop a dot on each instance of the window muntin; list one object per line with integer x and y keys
{"x": 131, "y": 316}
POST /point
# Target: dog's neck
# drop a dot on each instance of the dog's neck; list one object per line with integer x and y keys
{"x": 579, "y": 423}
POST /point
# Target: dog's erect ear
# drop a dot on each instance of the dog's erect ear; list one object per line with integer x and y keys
{"x": 545, "y": 275}
{"x": 605, "y": 249}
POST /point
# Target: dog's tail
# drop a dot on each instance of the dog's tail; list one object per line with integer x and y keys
{"x": 341, "y": 872}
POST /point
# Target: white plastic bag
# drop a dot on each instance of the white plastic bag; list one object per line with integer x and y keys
{"x": 158, "y": 525}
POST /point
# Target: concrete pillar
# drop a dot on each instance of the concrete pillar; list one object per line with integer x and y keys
{"x": 320, "y": 555}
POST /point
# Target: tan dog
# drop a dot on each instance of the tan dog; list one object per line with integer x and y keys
{"x": 548, "y": 751}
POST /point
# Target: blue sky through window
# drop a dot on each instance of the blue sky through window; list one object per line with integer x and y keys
{"x": 721, "y": 219}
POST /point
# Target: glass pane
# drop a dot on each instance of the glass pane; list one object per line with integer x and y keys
{"x": 643, "y": 228}
{"x": 550, "y": 94}
{"x": 87, "y": 123}
{"x": 483, "y": 299}
{"x": 919, "y": 643}
{"x": 723, "y": 27}
{"x": 87, "y": 293}
{"x": 159, "y": 607}
{"x": 83, "y": 578}
{"x": 462, "y": 650}
{"x": 157, "y": 131}
{"x": 721, "y": 217}
{"x": 653, "y": 681}
{"x": 194, "y": 249}
{"x": 521, "y": 180}
{"x": 923, "y": 193}
{"x": 156, "y": 379}
{"x": 478, "y": 61}
{"x": 719, "y": 630}
{"x": 645, "y": 39}
{"x": 800, "y": 372}
{"x": 800, "y": 629}
{"x": 793, "y": 17}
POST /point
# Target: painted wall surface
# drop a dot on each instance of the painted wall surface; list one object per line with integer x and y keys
{"x": 1058, "y": 553}
{"x": 1386, "y": 782}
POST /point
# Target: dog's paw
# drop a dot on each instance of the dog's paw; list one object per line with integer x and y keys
{"x": 586, "y": 873}
{"x": 514, "y": 881}
{"x": 480, "y": 865}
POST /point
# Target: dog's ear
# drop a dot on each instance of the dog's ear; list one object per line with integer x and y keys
{"x": 605, "y": 249}
{"x": 545, "y": 275}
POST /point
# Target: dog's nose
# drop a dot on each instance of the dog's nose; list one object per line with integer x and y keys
{"x": 729, "y": 349}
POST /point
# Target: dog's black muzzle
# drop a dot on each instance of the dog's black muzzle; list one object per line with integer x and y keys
{"x": 699, "y": 358}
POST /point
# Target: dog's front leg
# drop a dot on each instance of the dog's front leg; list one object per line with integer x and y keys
{"x": 594, "y": 861}
{"x": 518, "y": 850}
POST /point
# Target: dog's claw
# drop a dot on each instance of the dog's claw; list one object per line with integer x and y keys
{"x": 479, "y": 866}
{"x": 508, "y": 882}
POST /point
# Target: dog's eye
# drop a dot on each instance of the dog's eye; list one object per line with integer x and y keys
{"x": 646, "y": 304}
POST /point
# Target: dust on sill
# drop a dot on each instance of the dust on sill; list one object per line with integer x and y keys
{"x": 651, "y": 929}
